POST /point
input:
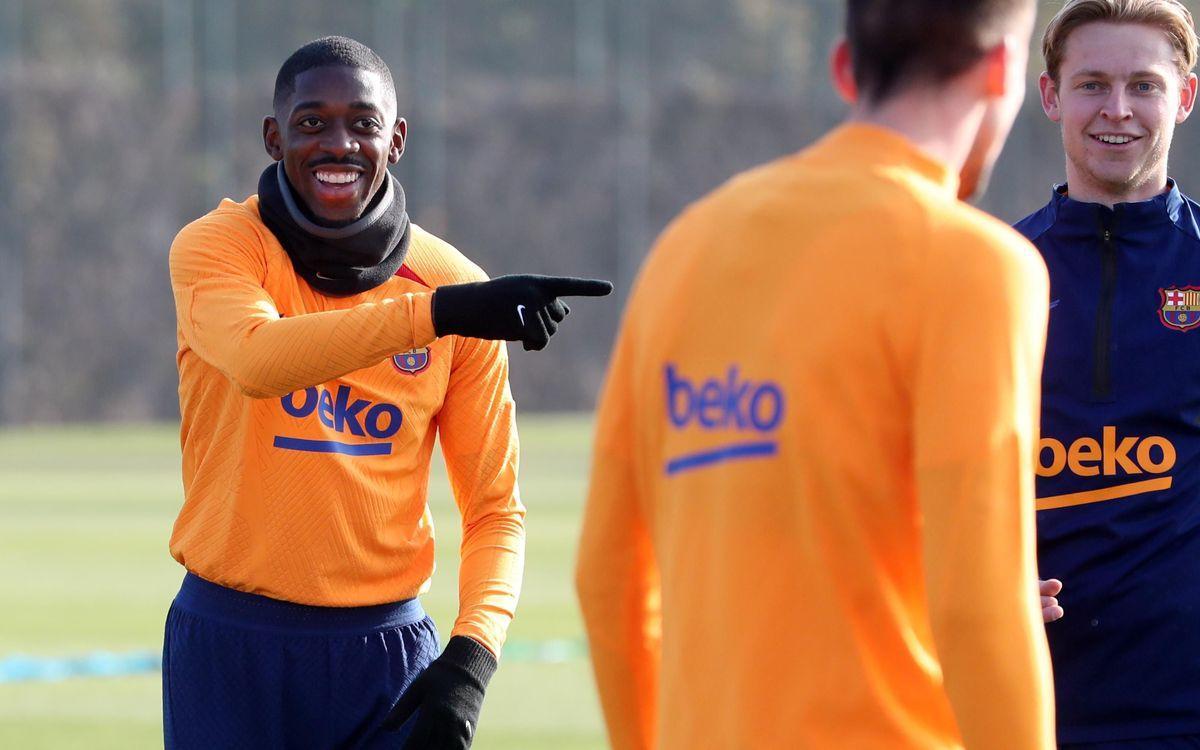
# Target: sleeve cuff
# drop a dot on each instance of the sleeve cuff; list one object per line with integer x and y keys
{"x": 421, "y": 318}
{"x": 472, "y": 657}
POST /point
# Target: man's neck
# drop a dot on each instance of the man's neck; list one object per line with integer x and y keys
{"x": 938, "y": 123}
{"x": 1085, "y": 190}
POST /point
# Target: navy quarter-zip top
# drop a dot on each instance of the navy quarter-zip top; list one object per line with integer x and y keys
{"x": 1118, "y": 467}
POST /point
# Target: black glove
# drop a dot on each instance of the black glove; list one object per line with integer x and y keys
{"x": 510, "y": 308}
{"x": 449, "y": 694}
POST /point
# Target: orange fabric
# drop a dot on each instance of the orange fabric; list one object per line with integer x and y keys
{"x": 810, "y": 522}
{"x": 271, "y": 371}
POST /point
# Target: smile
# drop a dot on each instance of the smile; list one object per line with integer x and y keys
{"x": 1115, "y": 140}
{"x": 336, "y": 178}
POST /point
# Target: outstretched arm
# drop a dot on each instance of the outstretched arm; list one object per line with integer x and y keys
{"x": 228, "y": 318}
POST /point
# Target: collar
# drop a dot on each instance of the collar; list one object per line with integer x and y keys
{"x": 874, "y": 146}
{"x": 1161, "y": 209}
{"x": 337, "y": 261}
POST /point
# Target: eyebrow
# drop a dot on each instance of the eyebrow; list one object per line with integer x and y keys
{"x": 1105, "y": 74}
{"x": 316, "y": 104}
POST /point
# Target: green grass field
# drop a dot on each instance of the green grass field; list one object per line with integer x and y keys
{"x": 85, "y": 514}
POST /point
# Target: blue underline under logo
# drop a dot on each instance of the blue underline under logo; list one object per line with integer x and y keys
{"x": 332, "y": 446}
{"x": 725, "y": 453}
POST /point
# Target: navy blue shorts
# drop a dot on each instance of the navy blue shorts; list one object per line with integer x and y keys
{"x": 247, "y": 671}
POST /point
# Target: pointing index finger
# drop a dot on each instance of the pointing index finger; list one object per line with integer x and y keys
{"x": 566, "y": 286}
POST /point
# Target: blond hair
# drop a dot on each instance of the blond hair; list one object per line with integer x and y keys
{"x": 1169, "y": 16}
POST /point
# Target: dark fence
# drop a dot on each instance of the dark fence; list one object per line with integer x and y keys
{"x": 551, "y": 136}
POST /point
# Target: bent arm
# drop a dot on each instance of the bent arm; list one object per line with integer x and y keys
{"x": 229, "y": 320}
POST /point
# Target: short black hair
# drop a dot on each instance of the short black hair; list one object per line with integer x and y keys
{"x": 897, "y": 42}
{"x": 330, "y": 51}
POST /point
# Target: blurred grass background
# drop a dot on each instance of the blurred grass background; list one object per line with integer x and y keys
{"x": 85, "y": 515}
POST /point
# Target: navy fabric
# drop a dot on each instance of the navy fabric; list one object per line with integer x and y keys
{"x": 1121, "y": 419}
{"x": 1180, "y": 742}
{"x": 246, "y": 671}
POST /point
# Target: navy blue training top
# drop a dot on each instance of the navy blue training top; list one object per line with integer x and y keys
{"x": 1119, "y": 463}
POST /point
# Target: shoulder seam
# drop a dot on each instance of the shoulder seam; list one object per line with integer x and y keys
{"x": 1190, "y": 235}
{"x": 1192, "y": 206}
{"x": 441, "y": 263}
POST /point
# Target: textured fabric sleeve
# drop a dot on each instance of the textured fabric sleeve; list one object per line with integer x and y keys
{"x": 977, "y": 382}
{"x": 477, "y": 425}
{"x": 226, "y": 316}
{"x": 616, "y": 573}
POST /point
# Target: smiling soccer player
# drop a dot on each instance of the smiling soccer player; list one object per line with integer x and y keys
{"x": 324, "y": 341}
{"x": 1119, "y": 463}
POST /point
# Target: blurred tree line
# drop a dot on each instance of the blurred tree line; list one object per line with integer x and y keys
{"x": 547, "y": 136}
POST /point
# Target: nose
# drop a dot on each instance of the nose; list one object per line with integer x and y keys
{"x": 339, "y": 142}
{"x": 1116, "y": 106}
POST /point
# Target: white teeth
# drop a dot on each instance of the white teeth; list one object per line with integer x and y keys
{"x": 1114, "y": 138}
{"x": 337, "y": 178}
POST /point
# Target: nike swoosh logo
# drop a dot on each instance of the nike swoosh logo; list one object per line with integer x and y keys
{"x": 521, "y": 313}
{"x": 1054, "y": 303}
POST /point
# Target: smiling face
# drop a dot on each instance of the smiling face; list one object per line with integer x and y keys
{"x": 336, "y": 133}
{"x": 1118, "y": 97}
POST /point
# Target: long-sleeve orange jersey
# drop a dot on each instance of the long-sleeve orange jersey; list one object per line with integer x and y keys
{"x": 810, "y": 521}
{"x": 308, "y": 424}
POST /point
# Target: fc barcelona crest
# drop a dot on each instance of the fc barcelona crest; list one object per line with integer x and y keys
{"x": 411, "y": 362}
{"x": 1180, "y": 307}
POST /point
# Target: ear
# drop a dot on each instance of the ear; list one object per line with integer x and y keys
{"x": 841, "y": 71}
{"x": 399, "y": 136}
{"x": 996, "y": 62}
{"x": 272, "y": 140}
{"x": 1049, "y": 97}
{"x": 1187, "y": 98}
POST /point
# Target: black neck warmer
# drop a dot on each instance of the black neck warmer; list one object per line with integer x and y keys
{"x": 337, "y": 261}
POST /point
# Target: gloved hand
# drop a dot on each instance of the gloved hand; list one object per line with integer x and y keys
{"x": 448, "y": 694}
{"x": 511, "y": 308}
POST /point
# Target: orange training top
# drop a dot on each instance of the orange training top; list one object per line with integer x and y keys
{"x": 810, "y": 522}
{"x": 308, "y": 424}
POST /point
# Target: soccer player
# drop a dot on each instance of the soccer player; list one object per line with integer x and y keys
{"x": 811, "y": 520}
{"x": 1118, "y": 482}
{"x": 324, "y": 340}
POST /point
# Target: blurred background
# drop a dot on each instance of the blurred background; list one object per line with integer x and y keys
{"x": 546, "y": 136}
